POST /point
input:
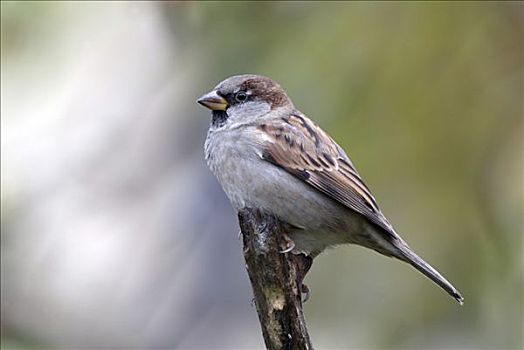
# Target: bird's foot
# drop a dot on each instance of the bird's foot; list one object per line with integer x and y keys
{"x": 304, "y": 289}
{"x": 289, "y": 244}
{"x": 303, "y": 263}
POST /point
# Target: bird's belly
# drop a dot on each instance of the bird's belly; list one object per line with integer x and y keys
{"x": 250, "y": 181}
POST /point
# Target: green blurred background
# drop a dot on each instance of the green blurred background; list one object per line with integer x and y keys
{"x": 114, "y": 234}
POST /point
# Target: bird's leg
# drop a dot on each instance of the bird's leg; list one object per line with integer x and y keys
{"x": 303, "y": 263}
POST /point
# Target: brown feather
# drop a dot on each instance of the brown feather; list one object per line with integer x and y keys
{"x": 304, "y": 150}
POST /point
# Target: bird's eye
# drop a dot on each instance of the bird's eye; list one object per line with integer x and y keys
{"x": 241, "y": 96}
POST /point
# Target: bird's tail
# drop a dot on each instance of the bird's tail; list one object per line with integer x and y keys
{"x": 407, "y": 255}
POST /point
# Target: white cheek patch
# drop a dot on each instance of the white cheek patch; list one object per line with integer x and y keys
{"x": 246, "y": 112}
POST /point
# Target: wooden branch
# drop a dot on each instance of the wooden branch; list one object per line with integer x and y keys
{"x": 276, "y": 279}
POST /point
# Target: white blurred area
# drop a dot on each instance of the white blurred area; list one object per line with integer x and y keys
{"x": 114, "y": 234}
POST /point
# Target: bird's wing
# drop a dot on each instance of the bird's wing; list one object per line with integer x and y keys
{"x": 299, "y": 146}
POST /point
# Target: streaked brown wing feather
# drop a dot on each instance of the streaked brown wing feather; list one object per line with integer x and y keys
{"x": 303, "y": 149}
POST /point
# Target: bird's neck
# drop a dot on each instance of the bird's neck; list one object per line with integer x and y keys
{"x": 219, "y": 118}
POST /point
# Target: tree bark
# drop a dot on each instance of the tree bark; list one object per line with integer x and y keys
{"x": 276, "y": 279}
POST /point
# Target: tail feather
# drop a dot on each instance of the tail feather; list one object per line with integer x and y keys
{"x": 407, "y": 255}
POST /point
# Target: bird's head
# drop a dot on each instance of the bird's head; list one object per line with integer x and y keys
{"x": 244, "y": 98}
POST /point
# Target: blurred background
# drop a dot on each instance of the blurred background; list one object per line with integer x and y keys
{"x": 116, "y": 235}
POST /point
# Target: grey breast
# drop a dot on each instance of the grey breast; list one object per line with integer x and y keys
{"x": 248, "y": 180}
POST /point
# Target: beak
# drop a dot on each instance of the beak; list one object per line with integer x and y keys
{"x": 213, "y": 101}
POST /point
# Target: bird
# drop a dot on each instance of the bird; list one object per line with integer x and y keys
{"x": 267, "y": 154}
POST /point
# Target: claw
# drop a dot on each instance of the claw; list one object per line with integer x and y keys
{"x": 239, "y": 234}
{"x": 303, "y": 263}
{"x": 306, "y": 293}
{"x": 290, "y": 244}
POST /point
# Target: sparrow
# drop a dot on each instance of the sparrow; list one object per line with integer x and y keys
{"x": 266, "y": 154}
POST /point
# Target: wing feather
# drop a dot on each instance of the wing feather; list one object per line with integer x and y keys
{"x": 304, "y": 150}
